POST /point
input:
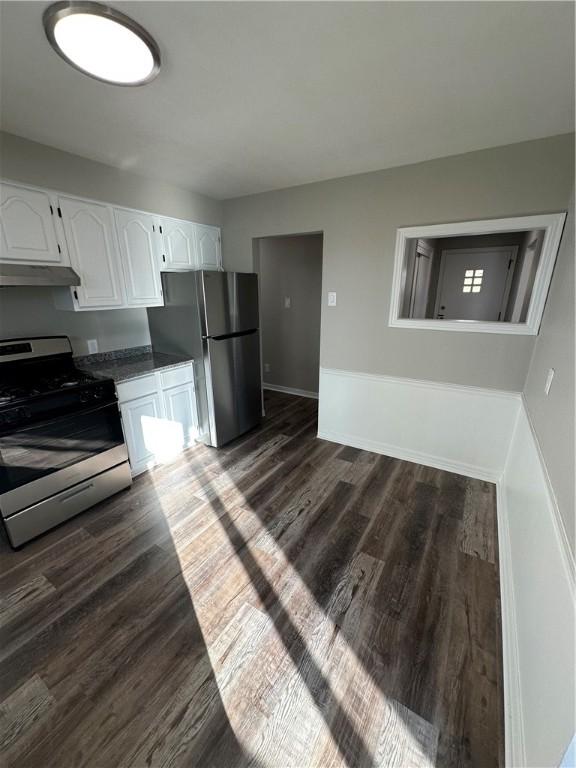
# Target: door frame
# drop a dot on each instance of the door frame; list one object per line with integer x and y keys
{"x": 512, "y": 249}
{"x": 421, "y": 248}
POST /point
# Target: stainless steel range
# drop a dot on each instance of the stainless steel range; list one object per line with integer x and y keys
{"x": 61, "y": 442}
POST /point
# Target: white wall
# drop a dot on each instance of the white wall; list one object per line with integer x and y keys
{"x": 359, "y": 216}
{"x": 25, "y": 311}
{"x": 291, "y": 267}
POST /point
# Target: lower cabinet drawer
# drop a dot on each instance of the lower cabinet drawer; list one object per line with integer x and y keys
{"x": 174, "y": 377}
{"x": 133, "y": 388}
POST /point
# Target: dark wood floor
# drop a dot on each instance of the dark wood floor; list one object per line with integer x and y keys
{"x": 285, "y": 602}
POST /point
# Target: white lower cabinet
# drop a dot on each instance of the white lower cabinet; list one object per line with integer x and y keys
{"x": 159, "y": 415}
{"x": 180, "y": 410}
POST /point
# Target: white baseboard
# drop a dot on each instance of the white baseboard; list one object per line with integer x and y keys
{"x": 290, "y": 390}
{"x": 460, "y": 429}
{"x": 404, "y": 454}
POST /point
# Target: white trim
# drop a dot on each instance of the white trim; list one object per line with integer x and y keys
{"x": 416, "y": 457}
{"x": 552, "y": 223}
{"x": 514, "y": 740}
{"x": 290, "y": 390}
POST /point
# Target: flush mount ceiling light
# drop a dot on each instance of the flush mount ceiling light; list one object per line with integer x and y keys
{"x": 102, "y": 42}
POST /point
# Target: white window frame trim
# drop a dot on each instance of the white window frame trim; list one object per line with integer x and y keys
{"x": 553, "y": 226}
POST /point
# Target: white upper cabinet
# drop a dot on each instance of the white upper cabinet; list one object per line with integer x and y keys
{"x": 139, "y": 257}
{"x": 179, "y": 244}
{"x": 29, "y": 233}
{"x": 91, "y": 239}
{"x": 208, "y": 244}
{"x": 118, "y": 253}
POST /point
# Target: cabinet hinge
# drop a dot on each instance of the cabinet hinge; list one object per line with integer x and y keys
{"x": 59, "y": 212}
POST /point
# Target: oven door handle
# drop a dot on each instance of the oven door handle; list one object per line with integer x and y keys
{"x": 71, "y": 415}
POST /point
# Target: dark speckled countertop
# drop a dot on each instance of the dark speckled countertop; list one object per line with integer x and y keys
{"x": 124, "y": 364}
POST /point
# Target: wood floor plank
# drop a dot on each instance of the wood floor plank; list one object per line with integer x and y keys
{"x": 283, "y": 602}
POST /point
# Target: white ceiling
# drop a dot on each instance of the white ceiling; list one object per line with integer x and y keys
{"x": 259, "y": 96}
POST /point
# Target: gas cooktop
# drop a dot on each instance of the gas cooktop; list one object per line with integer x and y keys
{"x": 32, "y": 382}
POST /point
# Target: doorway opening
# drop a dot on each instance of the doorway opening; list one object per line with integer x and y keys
{"x": 289, "y": 268}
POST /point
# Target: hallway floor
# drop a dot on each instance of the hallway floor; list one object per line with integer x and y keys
{"x": 283, "y": 603}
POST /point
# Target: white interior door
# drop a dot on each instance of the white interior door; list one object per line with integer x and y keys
{"x": 474, "y": 284}
{"x": 139, "y": 256}
{"x": 91, "y": 239}
{"x": 27, "y": 224}
{"x": 208, "y": 241}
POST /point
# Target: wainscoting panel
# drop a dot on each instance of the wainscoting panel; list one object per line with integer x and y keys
{"x": 460, "y": 429}
{"x": 538, "y": 613}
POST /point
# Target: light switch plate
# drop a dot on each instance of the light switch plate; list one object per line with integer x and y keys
{"x": 549, "y": 379}
{"x": 92, "y": 346}
{"x": 287, "y": 302}
{"x": 331, "y": 298}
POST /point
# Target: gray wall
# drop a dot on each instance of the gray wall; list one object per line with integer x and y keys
{"x": 31, "y": 311}
{"x": 359, "y": 216}
{"x": 553, "y": 416}
{"x": 291, "y": 267}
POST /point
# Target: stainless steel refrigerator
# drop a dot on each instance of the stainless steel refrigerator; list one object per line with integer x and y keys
{"x": 213, "y": 316}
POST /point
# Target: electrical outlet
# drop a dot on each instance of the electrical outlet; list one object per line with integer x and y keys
{"x": 287, "y": 302}
{"x": 266, "y": 367}
{"x": 549, "y": 379}
{"x": 331, "y": 298}
{"x": 92, "y": 346}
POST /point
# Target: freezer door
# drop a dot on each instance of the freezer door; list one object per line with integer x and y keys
{"x": 246, "y": 301}
{"x": 229, "y": 302}
{"x": 233, "y": 386}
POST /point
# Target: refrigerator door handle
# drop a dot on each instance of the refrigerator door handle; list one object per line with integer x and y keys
{"x": 224, "y": 336}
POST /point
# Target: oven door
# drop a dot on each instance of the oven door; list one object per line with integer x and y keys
{"x": 47, "y": 457}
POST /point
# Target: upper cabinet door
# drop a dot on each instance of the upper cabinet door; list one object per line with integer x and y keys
{"x": 208, "y": 242}
{"x": 139, "y": 255}
{"x": 28, "y": 227}
{"x": 179, "y": 244}
{"x": 91, "y": 238}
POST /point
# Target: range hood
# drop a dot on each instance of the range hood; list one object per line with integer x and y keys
{"x": 23, "y": 274}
